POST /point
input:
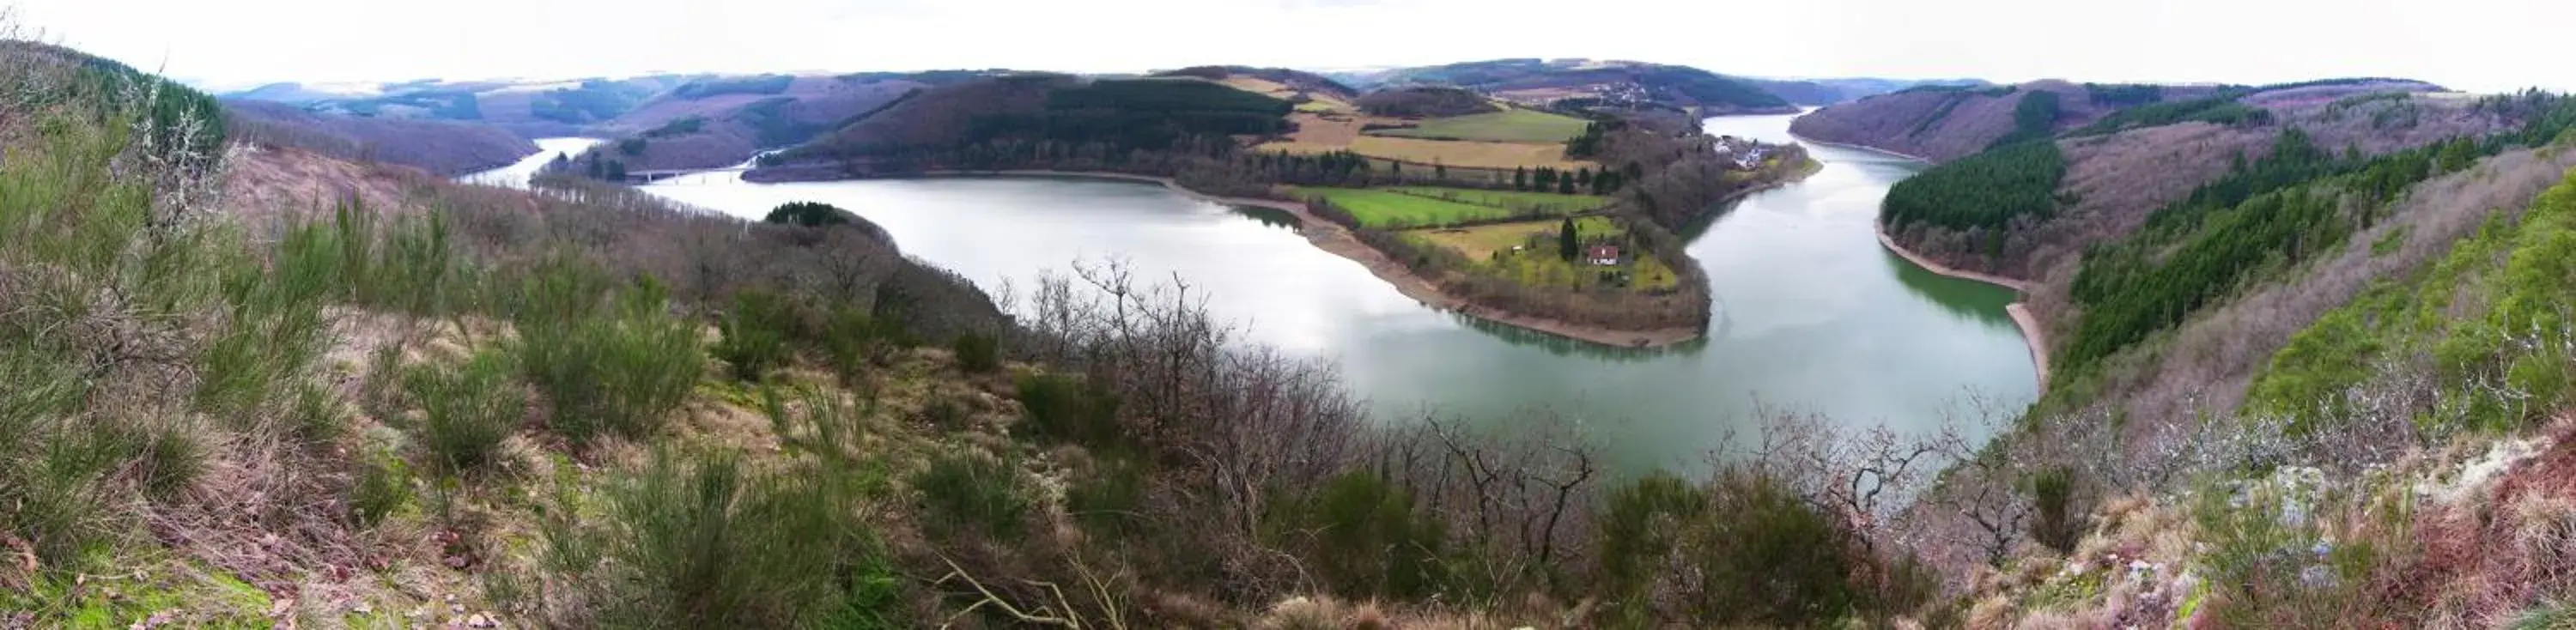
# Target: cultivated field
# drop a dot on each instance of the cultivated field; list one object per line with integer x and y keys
{"x": 1388, "y": 209}
{"x": 1552, "y": 202}
{"x": 1510, "y": 125}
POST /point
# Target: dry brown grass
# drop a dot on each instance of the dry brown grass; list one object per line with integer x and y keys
{"x": 271, "y": 183}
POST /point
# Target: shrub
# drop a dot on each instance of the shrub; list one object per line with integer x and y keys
{"x": 381, "y": 488}
{"x": 756, "y": 331}
{"x": 2055, "y": 522}
{"x": 1106, "y": 500}
{"x": 851, "y": 340}
{"x": 1065, "y": 408}
{"x": 466, "y": 410}
{"x": 1639, "y": 526}
{"x": 1769, "y": 558}
{"x": 1364, "y": 538}
{"x": 621, "y": 369}
{"x": 967, "y": 492}
{"x": 978, "y": 353}
{"x": 705, "y": 541}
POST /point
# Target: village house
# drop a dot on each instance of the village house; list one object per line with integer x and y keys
{"x": 1602, "y": 255}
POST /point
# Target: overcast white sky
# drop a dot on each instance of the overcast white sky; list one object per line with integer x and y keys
{"x": 2480, "y": 45}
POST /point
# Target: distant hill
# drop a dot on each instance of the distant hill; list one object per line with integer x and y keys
{"x": 1625, "y": 83}
{"x": 528, "y": 108}
{"x": 723, "y": 122}
{"x": 1148, "y": 114}
{"x": 300, "y": 93}
{"x": 1821, "y": 92}
{"x": 1297, "y": 86}
{"x": 440, "y": 147}
{"x": 1425, "y": 101}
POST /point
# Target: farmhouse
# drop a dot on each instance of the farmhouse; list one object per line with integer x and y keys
{"x": 1603, "y": 255}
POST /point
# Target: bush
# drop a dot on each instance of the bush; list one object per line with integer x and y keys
{"x": 466, "y": 411}
{"x": 756, "y": 331}
{"x": 619, "y": 368}
{"x": 1363, "y": 537}
{"x": 1639, "y": 526}
{"x": 705, "y": 541}
{"x": 1770, "y": 558}
{"x": 852, "y": 340}
{"x": 978, "y": 353}
{"x": 967, "y": 492}
{"x": 1065, "y": 408}
{"x": 2055, "y": 522}
{"x": 382, "y": 487}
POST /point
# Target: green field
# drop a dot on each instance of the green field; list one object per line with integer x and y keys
{"x": 1551, "y": 203}
{"x": 1511, "y": 125}
{"x": 1387, "y": 209}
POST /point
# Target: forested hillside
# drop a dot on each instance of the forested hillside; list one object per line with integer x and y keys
{"x": 724, "y": 122}
{"x": 1537, "y": 81}
{"x": 440, "y": 147}
{"x": 2367, "y": 338}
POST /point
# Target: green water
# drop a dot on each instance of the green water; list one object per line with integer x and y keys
{"x": 1812, "y": 315}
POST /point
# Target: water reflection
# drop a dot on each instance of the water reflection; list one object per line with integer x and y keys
{"x": 1940, "y": 290}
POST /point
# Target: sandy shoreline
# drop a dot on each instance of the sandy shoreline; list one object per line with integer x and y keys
{"x": 1332, "y": 237}
{"x": 2022, "y": 317}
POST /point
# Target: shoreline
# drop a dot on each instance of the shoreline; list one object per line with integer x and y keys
{"x": 1337, "y": 240}
{"x": 2031, "y": 332}
{"x": 1854, "y": 147}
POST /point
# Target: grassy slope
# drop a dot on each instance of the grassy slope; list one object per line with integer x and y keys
{"x": 1388, "y": 209}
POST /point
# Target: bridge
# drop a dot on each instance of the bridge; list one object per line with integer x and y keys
{"x": 647, "y": 177}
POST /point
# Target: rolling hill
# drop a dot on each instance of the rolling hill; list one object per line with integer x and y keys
{"x": 1822, "y": 92}
{"x": 440, "y": 147}
{"x": 1625, "y": 83}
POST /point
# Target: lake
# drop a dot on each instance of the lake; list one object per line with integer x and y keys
{"x": 516, "y": 175}
{"x": 1812, "y": 315}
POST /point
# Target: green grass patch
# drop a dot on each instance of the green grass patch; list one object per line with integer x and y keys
{"x": 1410, "y": 207}
{"x": 1549, "y": 203}
{"x": 1391, "y": 210}
{"x": 1511, "y": 125}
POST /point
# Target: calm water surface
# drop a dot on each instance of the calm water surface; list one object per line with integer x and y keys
{"x": 516, "y": 175}
{"x": 1812, "y": 315}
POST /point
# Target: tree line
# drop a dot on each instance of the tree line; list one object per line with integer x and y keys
{"x": 1987, "y": 190}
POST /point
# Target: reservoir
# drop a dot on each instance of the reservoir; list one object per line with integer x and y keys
{"x": 517, "y": 174}
{"x": 1811, "y": 314}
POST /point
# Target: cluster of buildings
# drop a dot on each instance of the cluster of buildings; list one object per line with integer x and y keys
{"x": 1746, "y": 153}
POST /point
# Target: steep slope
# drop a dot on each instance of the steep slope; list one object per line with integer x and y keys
{"x": 724, "y": 122}
{"x": 1078, "y": 118}
{"x": 1943, "y": 123}
{"x": 440, "y": 147}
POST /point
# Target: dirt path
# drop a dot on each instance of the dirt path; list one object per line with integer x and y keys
{"x": 2020, "y": 311}
{"x": 1338, "y": 240}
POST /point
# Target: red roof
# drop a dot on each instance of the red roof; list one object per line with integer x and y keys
{"x": 1604, "y": 251}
